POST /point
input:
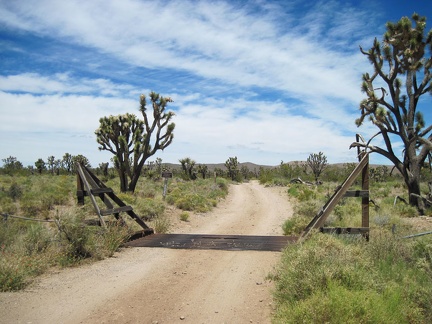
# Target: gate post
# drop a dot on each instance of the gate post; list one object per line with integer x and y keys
{"x": 80, "y": 190}
{"x": 365, "y": 200}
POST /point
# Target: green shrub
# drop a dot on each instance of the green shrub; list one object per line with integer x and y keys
{"x": 105, "y": 241}
{"x": 341, "y": 305}
{"x": 329, "y": 279}
{"x": 184, "y": 216}
{"x": 406, "y": 210}
{"x": 30, "y": 206}
{"x": 8, "y": 206}
{"x": 293, "y": 191}
{"x": 15, "y": 191}
{"x": 149, "y": 208}
{"x": 307, "y": 209}
{"x": 295, "y": 225}
{"x": 36, "y": 239}
{"x": 161, "y": 224}
{"x": 194, "y": 202}
{"x": 17, "y": 270}
{"x": 11, "y": 275}
{"x": 200, "y": 195}
{"x": 76, "y": 236}
{"x": 127, "y": 198}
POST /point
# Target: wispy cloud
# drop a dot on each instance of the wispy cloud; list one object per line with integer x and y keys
{"x": 262, "y": 80}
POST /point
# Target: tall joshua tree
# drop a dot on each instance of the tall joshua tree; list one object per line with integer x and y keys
{"x": 133, "y": 141}
{"x": 188, "y": 166}
{"x": 232, "y": 166}
{"x": 317, "y": 163}
{"x": 401, "y": 63}
{"x": 67, "y": 162}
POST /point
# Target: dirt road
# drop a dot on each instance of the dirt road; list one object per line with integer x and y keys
{"x": 155, "y": 285}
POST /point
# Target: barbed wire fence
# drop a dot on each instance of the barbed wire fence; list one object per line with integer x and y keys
{"x": 6, "y": 216}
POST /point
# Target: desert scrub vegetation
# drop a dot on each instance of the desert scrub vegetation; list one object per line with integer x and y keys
{"x": 330, "y": 279}
{"x": 344, "y": 279}
{"x": 56, "y": 234}
{"x": 28, "y": 248}
{"x": 200, "y": 195}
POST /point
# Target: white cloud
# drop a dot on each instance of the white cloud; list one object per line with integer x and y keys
{"x": 41, "y": 113}
{"x": 61, "y": 83}
{"x": 243, "y": 52}
{"x": 213, "y": 40}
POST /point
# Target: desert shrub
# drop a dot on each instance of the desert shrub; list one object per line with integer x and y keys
{"x": 200, "y": 195}
{"x": 194, "y": 202}
{"x": 8, "y": 206}
{"x": 148, "y": 208}
{"x": 281, "y": 182}
{"x": 345, "y": 281}
{"x": 184, "y": 216}
{"x": 75, "y": 236}
{"x": 8, "y": 233}
{"x": 30, "y": 205}
{"x": 346, "y": 214}
{"x": 106, "y": 241}
{"x": 19, "y": 262}
{"x": 265, "y": 176}
{"x": 15, "y": 191}
{"x": 161, "y": 224}
{"x": 127, "y": 198}
{"x": 307, "y": 209}
{"x": 405, "y": 210}
{"x": 295, "y": 225}
{"x": 36, "y": 239}
{"x": 17, "y": 271}
{"x": 302, "y": 192}
{"x": 148, "y": 192}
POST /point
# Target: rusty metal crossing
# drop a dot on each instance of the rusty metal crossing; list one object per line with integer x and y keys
{"x": 214, "y": 242}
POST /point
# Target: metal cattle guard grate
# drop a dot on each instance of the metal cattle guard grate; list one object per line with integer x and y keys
{"x": 214, "y": 242}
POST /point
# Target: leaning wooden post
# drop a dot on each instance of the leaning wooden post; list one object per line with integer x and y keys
{"x": 365, "y": 200}
{"x": 80, "y": 190}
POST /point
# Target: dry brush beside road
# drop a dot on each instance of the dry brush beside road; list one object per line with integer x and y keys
{"x": 155, "y": 285}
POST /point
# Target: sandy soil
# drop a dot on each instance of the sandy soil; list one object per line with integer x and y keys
{"x": 156, "y": 285}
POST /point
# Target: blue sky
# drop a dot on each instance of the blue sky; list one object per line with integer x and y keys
{"x": 266, "y": 81}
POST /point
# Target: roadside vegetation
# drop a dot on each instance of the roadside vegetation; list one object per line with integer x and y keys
{"x": 345, "y": 279}
{"x": 42, "y": 227}
{"x": 325, "y": 279}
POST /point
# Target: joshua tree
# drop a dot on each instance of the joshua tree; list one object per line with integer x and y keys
{"x": 51, "y": 163}
{"x": 133, "y": 141}
{"x": 67, "y": 162}
{"x": 80, "y": 159}
{"x": 11, "y": 164}
{"x": 188, "y": 166}
{"x": 203, "y": 170}
{"x": 232, "y": 167}
{"x": 401, "y": 64}
{"x": 317, "y": 163}
{"x": 40, "y": 165}
{"x": 103, "y": 167}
